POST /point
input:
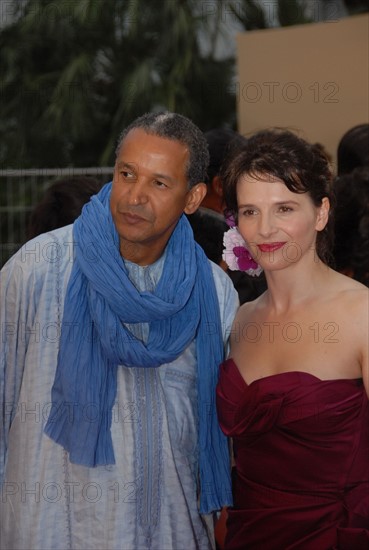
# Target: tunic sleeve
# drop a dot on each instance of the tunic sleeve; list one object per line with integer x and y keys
{"x": 31, "y": 290}
{"x": 16, "y": 313}
{"x": 228, "y": 301}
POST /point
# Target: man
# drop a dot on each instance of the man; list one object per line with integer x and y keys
{"x": 112, "y": 332}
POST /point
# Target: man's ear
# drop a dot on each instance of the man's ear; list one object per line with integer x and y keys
{"x": 195, "y": 197}
{"x": 323, "y": 214}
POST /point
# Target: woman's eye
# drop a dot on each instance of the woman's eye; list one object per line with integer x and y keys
{"x": 248, "y": 212}
{"x": 285, "y": 209}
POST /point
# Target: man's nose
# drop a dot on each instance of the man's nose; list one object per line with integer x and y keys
{"x": 138, "y": 192}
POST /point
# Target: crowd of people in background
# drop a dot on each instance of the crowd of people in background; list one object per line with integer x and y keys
{"x": 351, "y": 186}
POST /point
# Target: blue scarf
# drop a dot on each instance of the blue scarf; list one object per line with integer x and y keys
{"x": 100, "y": 297}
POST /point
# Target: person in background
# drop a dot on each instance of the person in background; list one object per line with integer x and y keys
{"x": 351, "y": 187}
{"x": 353, "y": 149}
{"x": 351, "y": 224}
{"x": 61, "y": 203}
{"x": 293, "y": 393}
{"x": 221, "y": 142}
{"x": 208, "y": 228}
{"x": 209, "y": 222}
{"x": 113, "y": 330}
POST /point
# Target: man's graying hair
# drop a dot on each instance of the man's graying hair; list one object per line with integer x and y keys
{"x": 178, "y": 128}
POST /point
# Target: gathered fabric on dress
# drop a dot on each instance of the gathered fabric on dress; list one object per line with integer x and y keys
{"x": 301, "y": 448}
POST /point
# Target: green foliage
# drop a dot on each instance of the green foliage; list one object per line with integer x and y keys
{"x": 253, "y": 14}
{"x": 355, "y": 7}
{"x": 250, "y": 14}
{"x": 75, "y": 73}
{"x": 291, "y": 12}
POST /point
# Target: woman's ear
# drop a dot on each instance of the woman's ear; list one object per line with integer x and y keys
{"x": 195, "y": 197}
{"x": 323, "y": 214}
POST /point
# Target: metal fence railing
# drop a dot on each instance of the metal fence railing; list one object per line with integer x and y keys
{"x": 20, "y": 191}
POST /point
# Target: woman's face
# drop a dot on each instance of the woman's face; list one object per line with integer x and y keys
{"x": 279, "y": 226}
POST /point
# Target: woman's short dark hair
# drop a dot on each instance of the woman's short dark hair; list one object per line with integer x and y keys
{"x": 303, "y": 167}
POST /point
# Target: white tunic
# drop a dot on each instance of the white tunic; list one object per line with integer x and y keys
{"x": 148, "y": 499}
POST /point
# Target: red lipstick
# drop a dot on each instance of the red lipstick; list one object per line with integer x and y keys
{"x": 270, "y": 247}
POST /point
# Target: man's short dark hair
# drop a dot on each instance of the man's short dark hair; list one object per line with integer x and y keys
{"x": 176, "y": 127}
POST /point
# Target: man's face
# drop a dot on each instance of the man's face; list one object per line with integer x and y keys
{"x": 149, "y": 194}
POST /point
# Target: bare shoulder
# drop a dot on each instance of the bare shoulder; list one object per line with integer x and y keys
{"x": 249, "y": 309}
{"x": 355, "y": 307}
{"x": 349, "y": 302}
{"x": 351, "y": 293}
{"x": 246, "y": 312}
{"x": 357, "y": 301}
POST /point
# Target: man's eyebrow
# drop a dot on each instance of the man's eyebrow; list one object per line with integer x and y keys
{"x": 164, "y": 177}
{"x": 131, "y": 166}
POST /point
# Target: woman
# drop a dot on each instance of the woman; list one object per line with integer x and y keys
{"x": 293, "y": 393}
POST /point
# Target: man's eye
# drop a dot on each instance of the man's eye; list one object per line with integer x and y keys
{"x": 160, "y": 183}
{"x": 127, "y": 175}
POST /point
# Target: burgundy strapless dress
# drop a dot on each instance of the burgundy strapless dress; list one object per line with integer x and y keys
{"x": 302, "y": 461}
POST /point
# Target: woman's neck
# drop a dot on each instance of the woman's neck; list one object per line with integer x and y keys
{"x": 291, "y": 287}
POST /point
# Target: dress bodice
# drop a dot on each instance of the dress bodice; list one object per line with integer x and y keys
{"x": 299, "y": 438}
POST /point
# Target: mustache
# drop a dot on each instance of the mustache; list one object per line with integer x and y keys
{"x": 136, "y": 210}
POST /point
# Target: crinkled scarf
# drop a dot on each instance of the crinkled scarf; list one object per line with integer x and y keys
{"x": 100, "y": 298}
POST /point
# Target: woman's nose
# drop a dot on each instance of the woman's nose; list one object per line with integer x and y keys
{"x": 266, "y": 225}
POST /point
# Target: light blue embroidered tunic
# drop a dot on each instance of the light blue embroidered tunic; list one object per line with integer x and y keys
{"x": 148, "y": 499}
